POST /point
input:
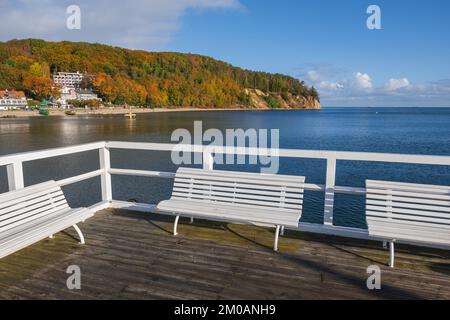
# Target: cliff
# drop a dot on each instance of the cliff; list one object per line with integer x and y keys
{"x": 261, "y": 100}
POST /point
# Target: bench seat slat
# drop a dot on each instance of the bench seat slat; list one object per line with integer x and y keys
{"x": 223, "y": 197}
{"x": 231, "y": 187}
{"x": 18, "y": 221}
{"x": 230, "y": 212}
{"x": 408, "y": 199}
{"x": 244, "y": 185}
{"x": 49, "y": 225}
{"x": 404, "y": 211}
{"x": 27, "y": 208}
{"x": 408, "y": 217}
{"x": 267, "y": 181}
{"x": 237, "y": 206}
{"x": 411, "y": 231}
{"x": 412, "y": 212}
{"x": 27, "y": 196}
{"x": 48, "y": 186}
{"x": 267, "y": 178}
{"x": 33, "y": 213}
{"x": 419, "y": 195}
{"x": 57, "y": 196}
{"x": 410, "y": 205}
{"x": 410, "y": 187}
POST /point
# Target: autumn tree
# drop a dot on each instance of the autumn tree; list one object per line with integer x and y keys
{"x": 156, "y": 79}
{"x": 41, "y": 87}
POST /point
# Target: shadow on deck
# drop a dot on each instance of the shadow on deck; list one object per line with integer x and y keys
{"x": 132, "y": 255}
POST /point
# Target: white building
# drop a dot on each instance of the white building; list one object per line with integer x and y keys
{"x": 85, "y": 94}
{"x": 10, "y": 100}
{"x": 66, "y": 95}
{"x": 69, "y": 79}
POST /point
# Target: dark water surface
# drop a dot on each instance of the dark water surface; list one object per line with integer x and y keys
{"x": 394, "y": 130}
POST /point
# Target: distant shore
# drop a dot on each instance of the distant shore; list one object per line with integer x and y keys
{"x": 7, "y": 114}
{"x": 108, "y": 111}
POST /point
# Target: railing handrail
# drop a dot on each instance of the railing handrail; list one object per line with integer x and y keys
{"x": 14, "y": 164}
{"x": 289, "y": 153}
{"x": 50, "y": 153}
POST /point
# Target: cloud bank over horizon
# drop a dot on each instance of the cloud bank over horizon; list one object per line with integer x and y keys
{"x": 135, "y": 24}
{"x": 357, "y": 89}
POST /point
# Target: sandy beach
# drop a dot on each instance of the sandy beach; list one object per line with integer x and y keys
{"x": 106, "y": 111}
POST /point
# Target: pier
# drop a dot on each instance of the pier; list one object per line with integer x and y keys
{"x": 131, "y": 254}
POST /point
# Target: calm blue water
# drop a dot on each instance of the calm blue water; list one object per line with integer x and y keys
{"x": 394, "y": 130}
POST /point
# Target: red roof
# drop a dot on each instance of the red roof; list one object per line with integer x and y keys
{"x": 11, "y": 94}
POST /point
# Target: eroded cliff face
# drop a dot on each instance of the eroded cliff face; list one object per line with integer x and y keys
{"x": 261, "y": 100}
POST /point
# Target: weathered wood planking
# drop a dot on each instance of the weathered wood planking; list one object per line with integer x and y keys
{"x": 133, "y": 256}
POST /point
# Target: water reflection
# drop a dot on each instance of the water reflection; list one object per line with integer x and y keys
{"x": 403, "y": 130}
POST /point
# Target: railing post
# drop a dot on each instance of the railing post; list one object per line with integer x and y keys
{"x": 15, "y": 176}
{"x": 329, "y": 191}
{"x": 208, "y": 160}
{"x": 105, "y": 165}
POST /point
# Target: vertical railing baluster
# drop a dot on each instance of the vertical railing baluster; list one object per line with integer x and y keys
{"x": 15, "y": 175}
{"x": 208, "y": 160}
{"x": 329, "y": 191}
{"x": 105, "y": 165}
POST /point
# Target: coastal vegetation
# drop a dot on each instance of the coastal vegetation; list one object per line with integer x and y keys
{"x": 152, "y": 79}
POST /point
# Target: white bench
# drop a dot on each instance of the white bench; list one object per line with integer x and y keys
{"x": 31, "y": 214}
{"x": 240, "y": 197}
{"x": 411, "y": 212}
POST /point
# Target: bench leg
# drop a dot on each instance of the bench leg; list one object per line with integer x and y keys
{"x": 275, "y": 244}
{"x": 391, "y": 254}
{"x": 175, "y": 225}
{"x": 51, "y": 236}
{"x": 80, "y": 234}
{"x": 385, "y": 244}
{"x": 192, "y": 220}
{"x": 282, "y": 231}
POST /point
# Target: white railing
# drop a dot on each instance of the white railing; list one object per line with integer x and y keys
{"x": 14, "y": 165}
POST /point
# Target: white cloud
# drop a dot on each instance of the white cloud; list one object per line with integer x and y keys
{"x": 329, "y": 85}
{"x": 359, "y": 89}
{"x": 361, "y": 81}
{"x": 313, "y": 75}
{"x": 396, "y": 84}
{"x": 143, "y": 24}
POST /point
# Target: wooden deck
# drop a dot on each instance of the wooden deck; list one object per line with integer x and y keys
{"x": 132, "y": 255}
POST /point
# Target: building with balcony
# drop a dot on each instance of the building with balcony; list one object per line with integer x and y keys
{"x": 11, "y": 100}
{"x": 69, "y": 79}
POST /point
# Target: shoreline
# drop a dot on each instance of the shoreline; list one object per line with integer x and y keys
{"x": 11, "y": 114}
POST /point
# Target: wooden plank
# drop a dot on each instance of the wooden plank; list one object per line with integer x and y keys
{"x": 129, "y": 256}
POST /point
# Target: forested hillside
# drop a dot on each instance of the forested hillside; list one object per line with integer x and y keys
{"x": 144, "y": 78}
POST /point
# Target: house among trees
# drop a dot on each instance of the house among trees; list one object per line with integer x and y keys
{"x": 66, "y": 94}
{"x": 11, "y": 100}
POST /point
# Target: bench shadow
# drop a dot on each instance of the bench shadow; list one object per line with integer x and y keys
{"x": 153, "y": 220}
{"x": 358, "y": 255}
{"x": 442, "y": 268}
{"x": 65, "y": 232}
{"x": 227, "y": 227}
{"x": 387, "y": 292}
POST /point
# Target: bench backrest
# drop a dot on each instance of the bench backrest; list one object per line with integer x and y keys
{"x": 30, "y": 203}
{"x": 281, "y": 192}
{"x": 408, "y": 211}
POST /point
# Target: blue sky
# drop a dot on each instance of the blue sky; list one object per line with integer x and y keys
{"x": 324, "y": 42}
